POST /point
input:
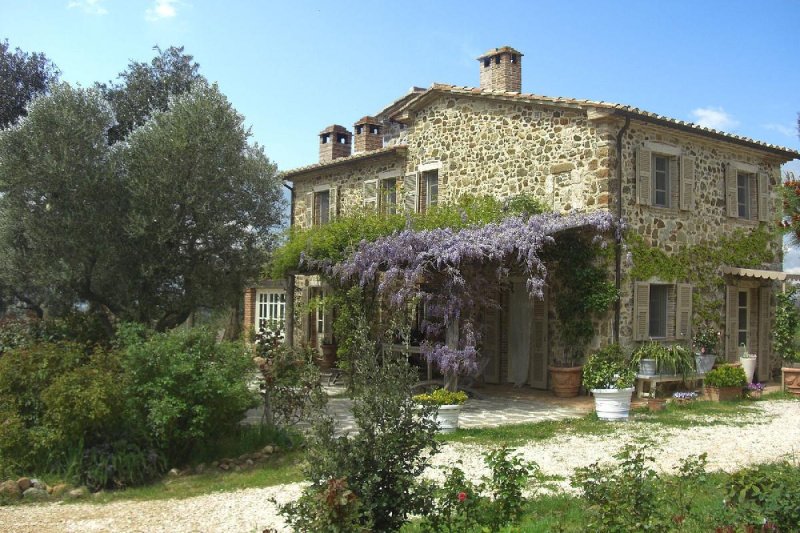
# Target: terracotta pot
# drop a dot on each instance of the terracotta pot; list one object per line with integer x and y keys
{"x": 328, "y": 360}
{"x": 791, "y": 380}
{"x": 723, "y": 394}
{"x": 656, "y": 404}
{"x": 565, "y": 381}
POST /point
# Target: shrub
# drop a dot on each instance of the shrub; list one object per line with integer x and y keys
{"x": 607, "y": 369}
{"x": 119, "y": 465}
{"x": 395, "y": 439}
{"x": 187, "y": 387}
{"x": 726, "y": 376}
{"x": 772, "y": 490}
{"x": 442, "y": 397}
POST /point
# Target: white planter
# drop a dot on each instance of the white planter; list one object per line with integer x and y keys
{"x": 647, "y": 367}
{"x": 447, "y": 418}
{"x": 612, "y": 404}
{"x": 749, "y": 367}
{"x": 704, "y": 363}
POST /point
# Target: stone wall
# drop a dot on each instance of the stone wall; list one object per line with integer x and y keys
{"x": 504, "y": 148}
{"x": 672, "y": 229}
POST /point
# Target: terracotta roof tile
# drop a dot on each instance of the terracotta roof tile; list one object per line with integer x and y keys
{"x": 342, "y": 160}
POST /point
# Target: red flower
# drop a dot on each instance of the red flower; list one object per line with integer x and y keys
{"x": 462, "y": 496}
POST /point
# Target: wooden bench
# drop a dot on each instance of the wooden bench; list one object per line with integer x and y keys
{"x": 653, "y": 382}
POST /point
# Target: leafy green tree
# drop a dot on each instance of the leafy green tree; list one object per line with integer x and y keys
{"x": 22, "y": 76}
{"x": 203, "y": 204}
{"x": 60, "y": 200}
{"x": 149, "y": 230}
{"x": 145, "y": 88}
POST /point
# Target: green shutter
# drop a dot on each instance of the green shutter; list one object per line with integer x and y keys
{"x": 537, "y": 370}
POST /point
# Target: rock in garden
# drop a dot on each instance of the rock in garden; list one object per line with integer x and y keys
{"x": 249, "y": 462}
{"x": 268, "y": 449}
{"x": 80, "y": 492}
{"x": 199, "y": 469}
{"x": 174, "y": 472}
{"x": 10, "y": 489}
{"x": 58, "y": 490}
{"x": 24, "y": 483}
{"x": 35, "y": 483}
{"x": 224, "y": 466}
{"x": 35, "y": 494}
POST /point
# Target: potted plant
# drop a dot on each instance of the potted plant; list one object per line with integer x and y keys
{"x": 565, "y": 374}
{"x": 646, "y": 357}
{"x": 705, "y": 343}
{"x": 725, "y": 383}
{"x": 683, "y": 397}
{"x": 748, "y": 361}
{"x": 676, "y": 360}
{"x": 610, "y": 379}
{"x": 755, "y": 390}
{"x": 448, "y": 407}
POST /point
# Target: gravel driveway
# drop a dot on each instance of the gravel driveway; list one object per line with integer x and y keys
{"x": 767, "y": 435}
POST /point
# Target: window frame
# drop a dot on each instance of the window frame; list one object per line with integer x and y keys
{"x": 267, "y": 301}
{"x": 431, "y": 184}
{"x": 385, "y": 193}
{"x": 667, "y": 189}
{"x": 663, "y": 291}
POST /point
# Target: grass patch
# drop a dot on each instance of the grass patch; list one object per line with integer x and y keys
{"x": 284, "y": 467}
{"x": 516, "y": 434}
{"x": 691, "y": 414}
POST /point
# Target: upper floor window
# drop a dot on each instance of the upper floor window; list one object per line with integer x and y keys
{"x": 388, "y": 196}
{"x": 664, "y": 177}
{"x": 322, "y": 207}
{"x": 746, "y": 192}
{"x": 661, "y": 180}
{"x": 430, "y": 189}
{"x": 743, "y": 194}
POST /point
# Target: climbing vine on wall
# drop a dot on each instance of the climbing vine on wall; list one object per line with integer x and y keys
{"x": 700, "y": 265}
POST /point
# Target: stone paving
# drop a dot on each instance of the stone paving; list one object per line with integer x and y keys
{"x": 494, "y": 405}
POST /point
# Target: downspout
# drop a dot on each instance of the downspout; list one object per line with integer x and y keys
{"x": 618, "y": 231}
{"x": 290, "y": 284}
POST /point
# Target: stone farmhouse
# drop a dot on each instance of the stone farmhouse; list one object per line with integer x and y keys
{"x": 673, "y": 183}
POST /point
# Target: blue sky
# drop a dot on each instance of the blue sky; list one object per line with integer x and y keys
{"x": 292, "y": 68}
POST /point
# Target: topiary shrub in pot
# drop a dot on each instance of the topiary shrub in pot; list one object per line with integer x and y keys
{"x": 610, "y": 379}
{"x": 725, "y": 383}
{"x": 448, "y": 407}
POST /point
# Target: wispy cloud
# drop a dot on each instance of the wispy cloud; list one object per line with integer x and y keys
{"x": 92, "y": 7}
{"x": 783, "y": 129}
{"x": 714, "y": 117}
{"x": 161, "y": 9}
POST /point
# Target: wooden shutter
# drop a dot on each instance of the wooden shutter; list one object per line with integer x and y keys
{"x": 537, "y": 371}
{"x": 683, "y": 320}
{"x": 490, "y": 345}
{"x": 731, "y": 192}
{"x": 732, "y": 323}
{"x": 687, "y": 183}
{"x": 371, "y": 195}
{"x": 763, "y": 197}
{"x": 674, "y": 183}
{"x": 764, "y": 329}
{"x": 410, "y": 192}
{"x": 309, "y": 211}
{"x": 333, "y": 206}
{"x": 641, "y": 311}
{"x": 644, "y": 176}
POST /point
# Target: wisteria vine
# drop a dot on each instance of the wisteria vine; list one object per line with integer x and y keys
{"x": 455, "y": 274}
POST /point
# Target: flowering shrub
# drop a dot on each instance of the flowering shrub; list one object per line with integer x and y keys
{"x": 706, "y": 339}
{"x": 684, "y": 395}
{"x": 455, "y": 272}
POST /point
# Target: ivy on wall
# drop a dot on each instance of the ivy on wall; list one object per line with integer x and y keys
{"x": 700, "y": 264}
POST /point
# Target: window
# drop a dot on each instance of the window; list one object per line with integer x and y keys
{"x": 322, "y": 207}
{"x": 741, "y": 338}
{"x": 271, "y": 309}
{"x": 662, "y": 311}
{"x": 743, "y": 194}
{"x": 430, "y": 182}
{"x": 661, "y": 178}
{"x": 388, "y": 196}
{"x": 657, "y": 327}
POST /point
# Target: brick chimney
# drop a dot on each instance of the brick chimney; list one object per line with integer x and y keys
{"x": 367, "y": 135}
{"x": 334, "y": 142}
{"x": 501, "y": 70}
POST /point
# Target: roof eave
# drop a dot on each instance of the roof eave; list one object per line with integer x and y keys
{"x": 343, "y": 161}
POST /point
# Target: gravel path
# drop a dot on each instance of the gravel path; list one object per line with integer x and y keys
{"x": 765, "y": 436}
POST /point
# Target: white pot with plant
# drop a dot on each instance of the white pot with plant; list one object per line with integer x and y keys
{"x": 748, "y": 361}
{"x": 610, "y": 379}
{"x": 448, "y": 405}
{"x": 705, "y": 343}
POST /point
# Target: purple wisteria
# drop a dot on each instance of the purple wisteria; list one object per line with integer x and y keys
{"x": 456, "y": 274}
